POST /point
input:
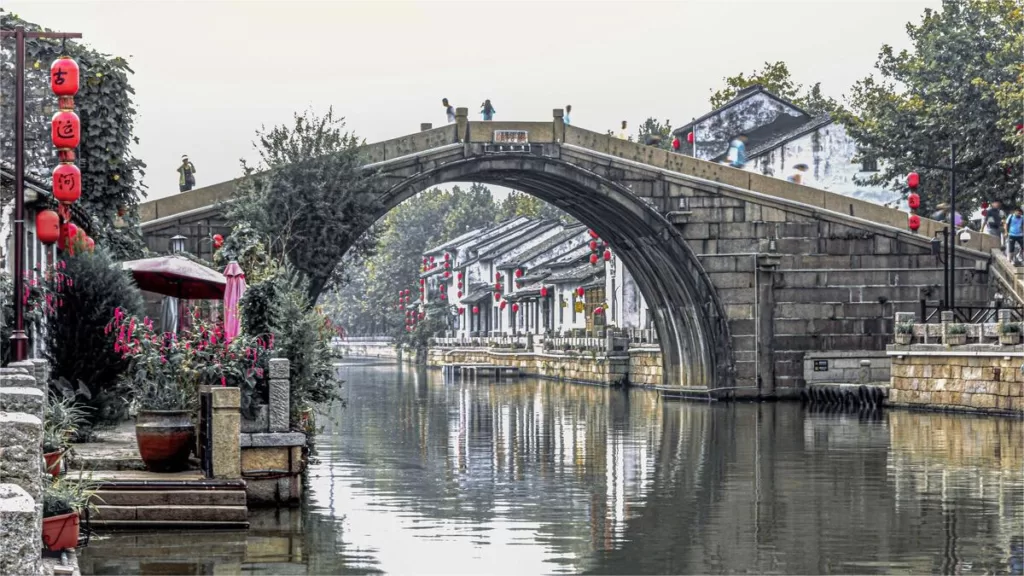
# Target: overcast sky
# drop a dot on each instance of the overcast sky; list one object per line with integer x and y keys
{"x": 209, "y": 73}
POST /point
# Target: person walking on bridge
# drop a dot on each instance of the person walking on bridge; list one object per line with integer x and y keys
{"x": 186, "y": 174}
{"x": 737, "y": 156}
{"x": 622, "y": 132}
{"x": 568, "y": 111}
{"x": 449, "y": 110}
{"x": 487, "y": 110}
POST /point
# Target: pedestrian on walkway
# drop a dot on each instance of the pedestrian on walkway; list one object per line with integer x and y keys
{"x": 568, "y": 111}
{"x": 994, "y": 219}
{"x": 487, "y": 110}
{"x": 622, "y": 132}
{"x": 1015, "y": 233}
{"x": 798, "y": 174}
{"x": 737, "y": 156}
{"x": 186, "y": 174}
{"x": 449, "y": 110}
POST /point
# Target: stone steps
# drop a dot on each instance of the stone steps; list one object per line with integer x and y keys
{"x": 171, "y": 498}
{"x": 163, "y": 515}
{"x": 139, "y": 504}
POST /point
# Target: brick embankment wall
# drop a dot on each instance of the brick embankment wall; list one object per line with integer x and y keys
{"x": 977, "y": 378}
{"x": 641, "y": 367}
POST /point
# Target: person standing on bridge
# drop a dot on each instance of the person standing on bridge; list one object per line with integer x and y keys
{"x": 799, "y": 174}
{"x": 487, "y": 110}
{"x": 622, "y": 131}
{"x": 449, "y": 110}
{"x": 186, "y": 174}
{"x": 737, "y": 157}
{"x": 568, "y": 111}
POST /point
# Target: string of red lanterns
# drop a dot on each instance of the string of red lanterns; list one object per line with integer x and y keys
{"x": 913, "y": 201}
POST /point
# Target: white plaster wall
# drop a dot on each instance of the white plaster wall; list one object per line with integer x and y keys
{"x": 829, "y": 152}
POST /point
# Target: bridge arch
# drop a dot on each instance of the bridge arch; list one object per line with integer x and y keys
{"x": 693, "y": 329}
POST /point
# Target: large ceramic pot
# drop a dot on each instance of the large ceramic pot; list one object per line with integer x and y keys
{"x": 60, "y": 532}
{"x": 165, "y": 439}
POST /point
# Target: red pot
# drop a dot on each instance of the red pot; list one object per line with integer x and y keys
{"x": 165, "y": 439}
{"x": 60, "y": 532}
{"x": 53, "y": 462}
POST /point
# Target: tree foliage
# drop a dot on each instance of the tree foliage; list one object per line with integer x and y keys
{"x": 309, "y": 196}
{"x": 521, "y": 204}
{"x": 776, "y": 78}
{"x": 655, "y": 133}
{"x": 111, "y": 175}
{"x": 959, "y": 84}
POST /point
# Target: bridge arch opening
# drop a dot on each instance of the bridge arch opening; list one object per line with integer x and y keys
{"x": 692, "y": 328}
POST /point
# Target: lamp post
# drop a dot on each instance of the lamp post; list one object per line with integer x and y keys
{"x": 19, "y": 340}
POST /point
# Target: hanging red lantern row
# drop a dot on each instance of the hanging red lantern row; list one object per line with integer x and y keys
{"x": 913, "y": 201}
{"x": 607, "y": 255}
{"x": 65, "y": 133}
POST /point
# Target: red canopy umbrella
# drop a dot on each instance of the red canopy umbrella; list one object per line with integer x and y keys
{"x": 177, "y": 276}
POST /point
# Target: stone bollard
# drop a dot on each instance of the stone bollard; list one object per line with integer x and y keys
{"x": 19, "y": 532}
{"x": 280, "y": 390}
{"x": 226, "y": 429}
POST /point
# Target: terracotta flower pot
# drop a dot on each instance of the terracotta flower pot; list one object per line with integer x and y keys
{"x": 60, "y": 532}
{"x": 165, "y": 439}
{"x": 53, "y": 462}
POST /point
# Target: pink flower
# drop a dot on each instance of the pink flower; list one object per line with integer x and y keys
{"x": 163, "y": 359}
{"x": 223, "y": 381}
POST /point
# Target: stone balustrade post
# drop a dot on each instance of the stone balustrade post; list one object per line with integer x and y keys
{"x": 1004, "y": 316}
{"x": 947, "y": 317}
{"x": 559, "y": 124}
{"x": 280, "y": 391}
{"x": 462, "y": 124}
{"x": 226, "y": 431}
{"x": 424, "y": 126}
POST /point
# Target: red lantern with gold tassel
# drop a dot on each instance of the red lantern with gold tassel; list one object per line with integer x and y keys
{"x": 65, "y": 129}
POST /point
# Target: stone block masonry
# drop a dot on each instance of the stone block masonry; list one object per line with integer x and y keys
{"x": 975, "y": 378}
{"x": 20, "y": 544}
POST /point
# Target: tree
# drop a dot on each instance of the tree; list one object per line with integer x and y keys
{"x": 655, "y": 133}
{"x": 959, "y": 84}
{"x": 521, "y": 204}
{"x": 468, "y": 210}
{"x": 309, "y": 196}
{"x": 111, "y": 175}
{"x": 775, "y": 78}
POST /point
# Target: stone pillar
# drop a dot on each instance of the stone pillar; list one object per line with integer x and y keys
{"x": 19, "y": 531}
{"x": 42, "y": 373}
{"x": 462, "y": 124}
{"x": 280, "y": 390}
{"x": 226, "y": 428}
{"x": 31, "y": 401}
{"x": 424, "y": 126}
{"x": 765, "y": 318}
{"x": 559, "y": 124}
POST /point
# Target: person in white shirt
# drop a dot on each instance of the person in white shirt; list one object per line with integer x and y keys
{"x": 622, "y": 131}
{"x": 568, "y": 110}
{"x": 799, "y": 174}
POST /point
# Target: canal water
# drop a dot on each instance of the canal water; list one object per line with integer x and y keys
{"x": 416, "y": 476}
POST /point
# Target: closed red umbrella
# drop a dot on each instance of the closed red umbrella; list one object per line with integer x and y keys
{"x": 177, "y": 276}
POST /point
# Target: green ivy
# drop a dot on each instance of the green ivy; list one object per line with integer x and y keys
{"x": 111, "y": 175}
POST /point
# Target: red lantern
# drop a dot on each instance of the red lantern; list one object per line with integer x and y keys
{"x": 502, "y": 305}
{"x": 422, "y": 281}
{"x": 431, "y": 259}
{"x": 460, "y": 284}
{"x": 984, "y": 213}
{"x": 914, "y": 201}
{"x": 459, "y": 275}
{"x": 984, "y": 205}
{"x": 65, "y": 129}
{"x": 607, "y": 255}
{"x": 462, "y": 309}
{"x": 442, "y": 287}
{"x": 497, "y": 287}
{"x": 459, "y": 293}
{"x": 497, "y": 296}
{"x": 689, "y": 137}
{"x": 424, "y": 261}
{"x": 675, "y": 143}
{"x": 476, "y": 310}
{"x": 90, "y": 244}
{"x": 446, "y": 256}
{"x": 579, "y": 291}
{"x": 67, "y": 183}
{"x": 913, "y": 180}
{"x": 593, "y": 259}
{"x": 64, "y": 76}
{"x": 914, "y": 222}
{"x": 598, "y": 310}
{"x": 515, "y": 308}
{"x": 442, "y": 296}
{"x": 593, "y": 245}
{"x": 218, "y": 241}
{"x": 422, "y": 315}
{"x": 592, "y": 234}
{"x": 519, "y": 272}
{"x": 447, "y": 265}
{"x": 47, "y": 226}
{"x": 401, "y": 306}
{"x": 447, "y": 274}
{"x": 497, "y": 277}
{"x": 543, "y": 291}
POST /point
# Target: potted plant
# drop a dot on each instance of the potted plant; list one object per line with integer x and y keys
{"x": 62, "y": 420}
{"x": 63, "y": 501}
{"x": 904, "y": 333}
{"x": 955, "y": 334}
{"x": 1009, "y": 333}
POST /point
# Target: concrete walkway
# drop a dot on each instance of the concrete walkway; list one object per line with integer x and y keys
{"x": 111, "y": 449}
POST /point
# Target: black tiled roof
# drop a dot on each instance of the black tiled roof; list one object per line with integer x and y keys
{"x": 739, "y": 97}
{"x": 802, "y": 129}
{"x": 545, "y": 246}
{"x": 578, "y": 273}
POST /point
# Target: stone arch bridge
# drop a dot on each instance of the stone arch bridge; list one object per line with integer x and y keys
{"x": 745, "y": 273}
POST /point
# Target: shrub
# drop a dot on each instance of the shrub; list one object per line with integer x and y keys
{"x": 956, "y": 329}
{"x": 89, "y": 287}
{"x": 905, "y": 328}
{"x": 35, "y": 311}
{"x": 1009, "y": 328}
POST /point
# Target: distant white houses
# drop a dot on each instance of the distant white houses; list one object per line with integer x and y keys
{"x": 781, "y": 135}
{"x": 534, "y": 276}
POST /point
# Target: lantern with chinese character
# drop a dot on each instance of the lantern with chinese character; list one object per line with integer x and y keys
{"x": 607, "y": 255}
{"x": 515, "y": 308}
{"x": 913, "y": 180}
{"x": 914, "y": 201}
{"x": 65, "y": 129}
{"x": 579, "y": 291}
{"x": 47, "y": 226}
{"x": 64, "y": 76}
{"x": 914, "y": 222}
{"x": 67, "y": 183}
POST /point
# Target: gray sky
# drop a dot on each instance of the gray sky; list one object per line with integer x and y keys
{"x": 208, "y": 73}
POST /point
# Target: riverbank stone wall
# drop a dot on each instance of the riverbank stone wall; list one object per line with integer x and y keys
{"x": 977, "y": 378}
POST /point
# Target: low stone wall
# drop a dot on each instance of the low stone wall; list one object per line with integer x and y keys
{"x": 640, "y": 367}
{"x": 846, "y": 367}
{"x": 21, "y": 467}
{"x": 367, "y": 349}
{"x": 975, "y": 377}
